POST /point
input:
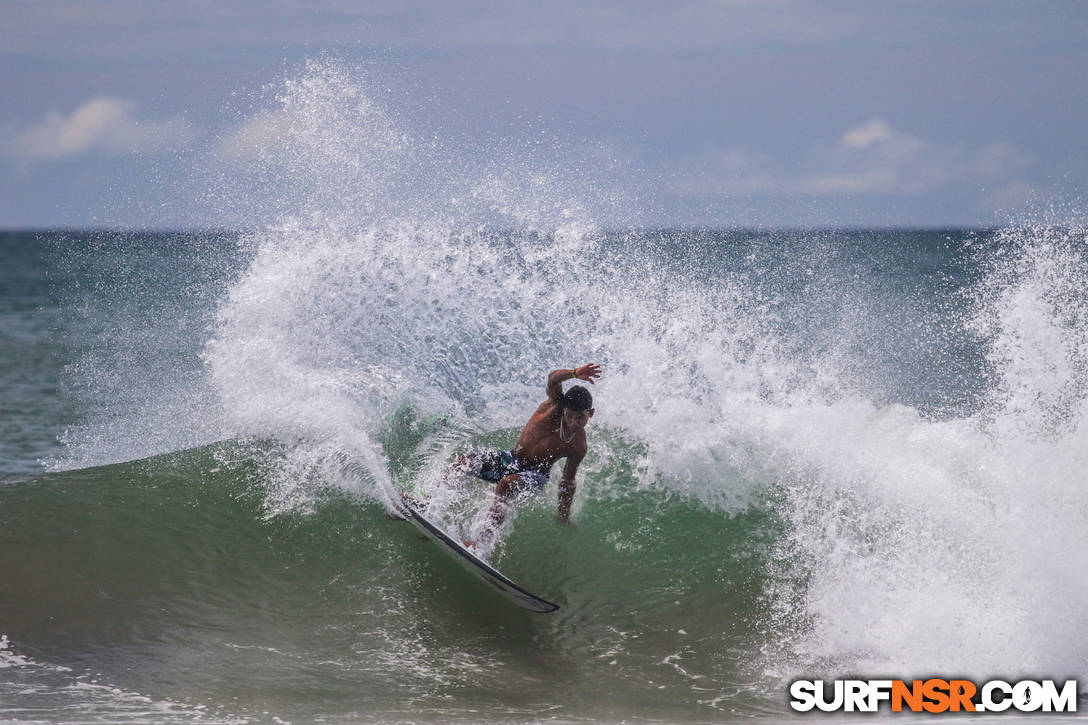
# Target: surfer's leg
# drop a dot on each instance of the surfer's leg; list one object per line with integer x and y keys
{"x": 504, "y": 491}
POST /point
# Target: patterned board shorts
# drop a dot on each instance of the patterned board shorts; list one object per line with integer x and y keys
{"x": 492, "y": 465}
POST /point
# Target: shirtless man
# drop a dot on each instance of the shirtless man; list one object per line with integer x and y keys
{"x": 556, "y": 430}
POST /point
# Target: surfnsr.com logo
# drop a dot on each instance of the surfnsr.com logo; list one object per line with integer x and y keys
{"x": 933, "y": 695}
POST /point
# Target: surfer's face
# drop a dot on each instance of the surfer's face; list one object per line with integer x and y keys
{"x": 576, "y": 419}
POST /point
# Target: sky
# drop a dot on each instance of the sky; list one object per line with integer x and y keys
{"x": 115, "y": 113}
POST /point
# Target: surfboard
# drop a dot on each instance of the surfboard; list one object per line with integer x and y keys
{"x": 514, "y": 592}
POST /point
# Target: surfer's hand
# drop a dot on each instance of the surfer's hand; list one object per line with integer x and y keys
{"x": 588, "y": 372}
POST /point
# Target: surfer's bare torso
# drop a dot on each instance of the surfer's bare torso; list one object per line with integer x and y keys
{"x": 541, "y": 442}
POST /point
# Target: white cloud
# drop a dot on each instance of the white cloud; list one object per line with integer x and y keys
{"x": 875, "y": 158}
{"x": 862, "y": 181}
{"x": 1008, "y": 198}
{"x": 728, "y": 171}
{"x": 257, "y": 134}
{"x": 869, "y": 159}
{"x": 864, "y": 136}
{"x": 998, "y": 161}
{"x": 100, "y": 125}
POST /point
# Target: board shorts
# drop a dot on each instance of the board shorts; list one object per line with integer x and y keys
{"x": 493, "y": 465}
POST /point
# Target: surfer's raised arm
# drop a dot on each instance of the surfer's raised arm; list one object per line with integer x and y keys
{"x": 556, "y": 378}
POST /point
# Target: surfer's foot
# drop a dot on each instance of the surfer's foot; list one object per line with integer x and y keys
{"x": 470, "y": 545}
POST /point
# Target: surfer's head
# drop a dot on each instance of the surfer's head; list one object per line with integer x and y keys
{"x": 577, "y": 399}
{"x": 577, "y": 406}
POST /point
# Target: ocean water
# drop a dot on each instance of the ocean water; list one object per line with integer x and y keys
{"x": 815, "y": 453}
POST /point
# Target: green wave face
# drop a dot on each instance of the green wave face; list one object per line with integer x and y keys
{"x": 170, "y": 577}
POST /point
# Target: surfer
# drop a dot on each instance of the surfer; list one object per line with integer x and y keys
{"x": 556, "y": 430}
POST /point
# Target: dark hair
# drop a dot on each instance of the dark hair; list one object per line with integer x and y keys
{"x": 577, "y": 399}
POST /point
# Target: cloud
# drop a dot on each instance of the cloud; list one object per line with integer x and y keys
{"x": 1008, "y": 198}
{"x": 999, "y": 160}
{"x": 870, "y": 159}
{"x": 864, "y": 136}
{"x": 252, "y": 138}
{"x": 875, "y": 158}
{"x": 728, "y": 171}
{"x": 100, "y": 125}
